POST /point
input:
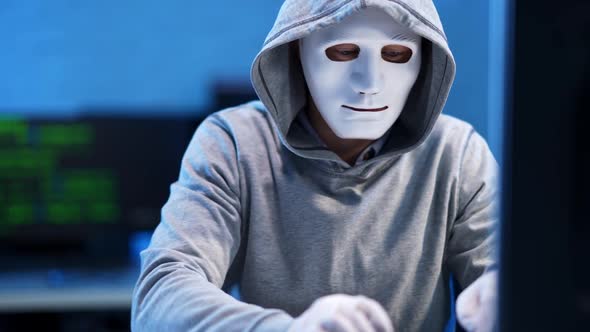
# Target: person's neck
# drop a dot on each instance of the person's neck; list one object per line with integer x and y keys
{"x": 347, "y": 149}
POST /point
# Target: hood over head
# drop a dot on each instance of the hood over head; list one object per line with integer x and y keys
{"x": 278, "y": 78}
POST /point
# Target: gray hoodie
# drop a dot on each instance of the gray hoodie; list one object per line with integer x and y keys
{"x": 261, "y": 202}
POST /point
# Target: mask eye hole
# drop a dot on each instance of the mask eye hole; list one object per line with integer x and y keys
{"x": 343, "y": 52}
{"x": 396, "y": 53}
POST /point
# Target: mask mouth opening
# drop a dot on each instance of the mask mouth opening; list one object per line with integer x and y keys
{"x": 380, "y": 109}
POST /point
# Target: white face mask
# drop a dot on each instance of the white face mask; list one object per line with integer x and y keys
{"x": 360, "y": 72}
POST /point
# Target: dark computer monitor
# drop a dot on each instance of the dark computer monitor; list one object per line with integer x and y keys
{"x": 72, "y": 190}
{"x": 545, "y": 274}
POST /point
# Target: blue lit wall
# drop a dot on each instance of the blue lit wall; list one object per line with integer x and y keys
{"x": 476, "y": 32}
{"x": 60, "y": 55}
{"x": 466, "y": 25}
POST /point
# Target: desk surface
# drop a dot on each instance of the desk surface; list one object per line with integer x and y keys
{"x": 71, "y": 290}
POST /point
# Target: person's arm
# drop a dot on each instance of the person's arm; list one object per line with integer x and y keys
{"x": 192, "y": 248}
{"x": 471, "y": 248}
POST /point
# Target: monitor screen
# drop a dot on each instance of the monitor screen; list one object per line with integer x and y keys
{"x": 72, "y": 190}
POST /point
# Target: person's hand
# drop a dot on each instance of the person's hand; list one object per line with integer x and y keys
{"x": 343, "y": 313}
{"x": 476, "y": 305}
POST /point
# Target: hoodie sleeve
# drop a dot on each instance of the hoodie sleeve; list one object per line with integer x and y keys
{"x": 192, "y": 248}
{"x": 472, "y": 243}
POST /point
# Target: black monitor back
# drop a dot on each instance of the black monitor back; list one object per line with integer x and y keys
{"x": 545, "y": 278}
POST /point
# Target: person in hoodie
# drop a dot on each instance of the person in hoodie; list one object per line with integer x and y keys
{"x": 343, "y": 200}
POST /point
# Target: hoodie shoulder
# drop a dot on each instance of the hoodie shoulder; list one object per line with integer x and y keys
{"x": 250, "y": 111}
{"x": 450, "y": 128}
{"x": 456, "y": 138}
{"x": 248, "y": 124}
{"x": 448, "y": 139}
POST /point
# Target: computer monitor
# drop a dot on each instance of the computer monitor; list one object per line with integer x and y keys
{"x": 545, "y": 237}
{"x": 72, "y": 190}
